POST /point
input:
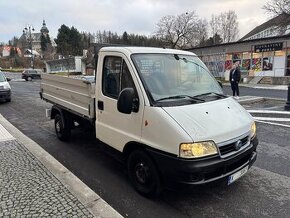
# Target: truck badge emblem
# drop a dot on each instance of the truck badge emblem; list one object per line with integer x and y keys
{"x": 238, "y": 145}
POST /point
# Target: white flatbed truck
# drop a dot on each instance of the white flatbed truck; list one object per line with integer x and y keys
{"x": 163, "y": 111}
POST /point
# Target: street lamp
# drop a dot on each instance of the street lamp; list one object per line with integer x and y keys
{"x": 27, "y": 31}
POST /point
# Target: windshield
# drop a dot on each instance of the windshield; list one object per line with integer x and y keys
{"x": 167, "y": 76}
{"x": 2, "y": 78}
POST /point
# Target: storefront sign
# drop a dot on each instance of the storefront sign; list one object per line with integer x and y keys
{"x": 269, "y": 47}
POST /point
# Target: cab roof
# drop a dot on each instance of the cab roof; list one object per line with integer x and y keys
{"x": 144, "y": 50}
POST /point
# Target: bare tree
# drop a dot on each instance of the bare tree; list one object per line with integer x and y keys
{"x": 277, "y": 7}
{"x": 177, "y": 31}
{"x": 200, "y": 35}
{"x": 281, "y": 10}
{"x": 229, "y": 26}
{"x": 215, "y": 24}
{"x": 225, "y": 25}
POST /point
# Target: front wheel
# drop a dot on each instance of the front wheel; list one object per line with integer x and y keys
{"x": 62, "y": 128}
{"x": 143, "y": 174}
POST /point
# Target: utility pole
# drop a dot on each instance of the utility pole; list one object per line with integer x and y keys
{"x": 27, "y": 31}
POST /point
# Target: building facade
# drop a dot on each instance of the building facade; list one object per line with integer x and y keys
{"x": 258, "y": 57}
{"x": 24, "y": 40}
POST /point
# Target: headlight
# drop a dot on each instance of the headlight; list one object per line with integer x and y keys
{"x": 6, "y": 86}
{"x": 253, "y": 130}
{"x": 198, "y": 149}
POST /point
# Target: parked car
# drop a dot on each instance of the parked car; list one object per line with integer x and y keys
{"x": 5, "y": 89}
{"x": 30, "y": 74}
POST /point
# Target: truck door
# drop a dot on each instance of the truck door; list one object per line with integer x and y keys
{"x": 113, "y": 127}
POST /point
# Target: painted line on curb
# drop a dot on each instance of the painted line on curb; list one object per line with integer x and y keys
{"x": 92, "y": 201}
{"x": 5, "y": 135}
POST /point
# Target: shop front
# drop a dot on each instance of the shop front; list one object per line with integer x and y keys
{"x": 261, "y": 57}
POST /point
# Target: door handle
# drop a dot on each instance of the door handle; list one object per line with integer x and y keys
{"x": 101, "y": 105}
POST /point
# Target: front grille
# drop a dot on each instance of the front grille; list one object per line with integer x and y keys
{"x": 226, "y": 149}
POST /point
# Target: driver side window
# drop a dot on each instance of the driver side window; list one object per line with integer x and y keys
{"x": 116, "y": 76}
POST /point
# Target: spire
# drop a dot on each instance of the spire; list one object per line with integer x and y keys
{"x": 44, "y": 28}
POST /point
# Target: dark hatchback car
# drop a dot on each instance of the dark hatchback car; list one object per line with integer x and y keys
{"x": 30, "y": 74}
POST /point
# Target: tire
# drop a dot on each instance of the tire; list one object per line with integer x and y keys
{"x": 62, "y": 128}
{"x": 29, "y": 78}
{"x": 143, "y": 174}
{"x": 8, "y": 100}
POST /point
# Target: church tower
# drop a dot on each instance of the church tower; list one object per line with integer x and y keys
{"x": 44, "y": 29}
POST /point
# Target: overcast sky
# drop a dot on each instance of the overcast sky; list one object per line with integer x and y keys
{"x": 133, "y": 16}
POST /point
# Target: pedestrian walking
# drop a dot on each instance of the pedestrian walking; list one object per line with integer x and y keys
{"x": 235, "y": 77}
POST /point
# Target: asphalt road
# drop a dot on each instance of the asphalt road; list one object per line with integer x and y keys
{"x": 263, "y": 192}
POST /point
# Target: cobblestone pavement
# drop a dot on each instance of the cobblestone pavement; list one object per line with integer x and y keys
{"x": 28, "y": 189}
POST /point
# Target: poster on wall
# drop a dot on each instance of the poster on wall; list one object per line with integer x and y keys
{"x": 246, "y": 64}
{"x": 228, "y": 64}
{"x": 267, "y": 63}
{"x": 256, "y": 64}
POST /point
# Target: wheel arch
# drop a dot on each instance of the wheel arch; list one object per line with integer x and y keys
{"x": 54, "y": 111}
{"x": 131, "y": 146}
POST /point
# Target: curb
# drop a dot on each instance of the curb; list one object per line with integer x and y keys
{"x": 255, "y": 99}
{"x": 251, "y": 100}
{"x": 92, "y": 202}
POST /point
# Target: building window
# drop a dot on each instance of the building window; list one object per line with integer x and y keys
{"x": 279, "y": 53}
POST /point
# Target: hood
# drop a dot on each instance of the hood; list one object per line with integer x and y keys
{"x": 219, "y": 120}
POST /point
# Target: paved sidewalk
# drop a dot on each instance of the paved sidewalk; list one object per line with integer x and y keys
{"x": 34, "y": 184}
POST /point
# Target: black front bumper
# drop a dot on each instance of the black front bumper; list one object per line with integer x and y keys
{"x": 202, "y": 171}
{"x": 5, "y": 94}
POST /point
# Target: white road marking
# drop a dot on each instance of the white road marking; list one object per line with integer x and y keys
{"x": 278, "y": 119}
{"x": 275, "y": 124}
{"x": 268, "y": 112}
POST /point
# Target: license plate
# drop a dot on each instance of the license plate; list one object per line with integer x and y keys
{"x": 237, "y": 175}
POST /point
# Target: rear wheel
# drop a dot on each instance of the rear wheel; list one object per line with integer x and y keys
{"x": 62, "y": 127}
{"x": 29, "y": 78}
{"x": 8, "y": 99}
{"x": 143, "y": 174}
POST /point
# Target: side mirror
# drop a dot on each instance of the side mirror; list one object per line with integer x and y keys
{"x": 8, "y": 79}
{"x": 125, "y": 101}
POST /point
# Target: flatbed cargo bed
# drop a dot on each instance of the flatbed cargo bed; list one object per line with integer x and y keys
{"x": 75, "y": 94}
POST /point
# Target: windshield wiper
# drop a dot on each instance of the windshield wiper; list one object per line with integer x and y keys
{"x": 212, "y": 93}
{"x": 181, "y": 96}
